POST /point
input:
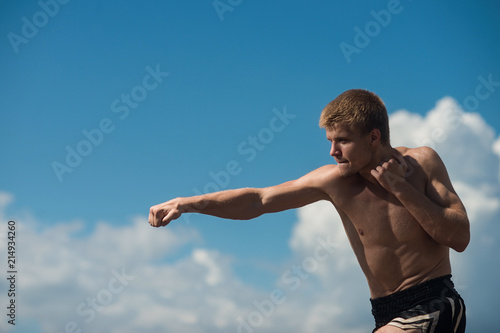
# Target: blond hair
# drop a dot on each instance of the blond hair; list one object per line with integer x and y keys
{"x": 360, "y": 109}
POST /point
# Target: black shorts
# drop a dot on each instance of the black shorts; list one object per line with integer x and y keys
{"x": 433, "y": 306}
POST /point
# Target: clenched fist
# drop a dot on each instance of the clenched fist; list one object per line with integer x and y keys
{"x": 162, "y": 214}
{"x": 391, "y": 173}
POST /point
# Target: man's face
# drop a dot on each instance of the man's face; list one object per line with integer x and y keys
{"x": 350, "y": 149}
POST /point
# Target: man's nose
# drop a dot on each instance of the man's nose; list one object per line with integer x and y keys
{"x": 334, "y": 151}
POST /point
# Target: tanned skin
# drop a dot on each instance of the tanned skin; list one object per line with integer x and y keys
{"x": 398, "y": 207}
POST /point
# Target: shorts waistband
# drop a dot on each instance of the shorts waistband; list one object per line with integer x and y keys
{"x": 384, "y": 308}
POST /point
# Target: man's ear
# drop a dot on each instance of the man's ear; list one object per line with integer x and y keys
{"x": 375, "y": 137}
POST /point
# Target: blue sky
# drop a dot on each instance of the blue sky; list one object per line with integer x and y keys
{"x": 229, "y": 75}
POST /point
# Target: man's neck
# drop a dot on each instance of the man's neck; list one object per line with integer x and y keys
{"x": 383, "y": 154}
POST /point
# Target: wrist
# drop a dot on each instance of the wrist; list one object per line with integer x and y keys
{"x": 190, "y": 204}
{"x": 400, "y": 187}
{"x": 179, "y": 204}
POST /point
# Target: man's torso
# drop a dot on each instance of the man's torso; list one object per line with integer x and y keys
{"x": 392, "y": 248}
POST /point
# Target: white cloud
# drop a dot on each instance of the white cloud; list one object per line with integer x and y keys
{"x": 210, "y": 260}
{"x": 66, "y": 276}
{"x": 464, "y": 141}
{"x": 5, "y": 200}
{"x": 496, "y": 147}
{"x": 343, "y": 284}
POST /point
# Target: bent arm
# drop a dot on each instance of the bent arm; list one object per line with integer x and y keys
{"x": 439, "y": 210}
{"x": 447, "y": 224}
{"x": 244, "y": 203}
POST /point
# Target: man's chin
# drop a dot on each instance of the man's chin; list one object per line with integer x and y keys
{"x": 345, "y": 170}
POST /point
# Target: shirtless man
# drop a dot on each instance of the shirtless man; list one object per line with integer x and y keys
{"x": 398, "y": 207}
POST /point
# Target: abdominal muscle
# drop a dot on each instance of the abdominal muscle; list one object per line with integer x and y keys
{"x": 393, "y": 250}
{"x": 391, "y": 270}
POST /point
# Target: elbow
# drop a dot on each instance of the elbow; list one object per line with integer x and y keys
{"x": 458, "y": 239}
{"x": 462, "y": 242}
{"x": 460, "y": 247}
{"x": 254, "y": 210}
{"x": 463, "y": 245}
{"x": 250, "y": 214}
{"x": 461, "y": 236}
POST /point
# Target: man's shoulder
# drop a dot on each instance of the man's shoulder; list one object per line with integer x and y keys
{"x": 323, "y": 178}
{"x": 326, "y": 175}
{"x": 423, "y": 154}
{"x": 327, "y": 171}
{"x": 332, "y": 180}
{"x": 425, "y": 157}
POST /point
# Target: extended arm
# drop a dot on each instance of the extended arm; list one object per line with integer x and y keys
{"x": 439, "y": 210}
{"x": 245, "y": 203}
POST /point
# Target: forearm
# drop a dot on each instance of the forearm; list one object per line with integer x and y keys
{"x": 446, "y": 225}
{"x": 244, "y": 203}
{"x": 238, "y": 204}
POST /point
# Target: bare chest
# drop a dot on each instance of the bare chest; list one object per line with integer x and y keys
{"x": 377, "y": 216}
